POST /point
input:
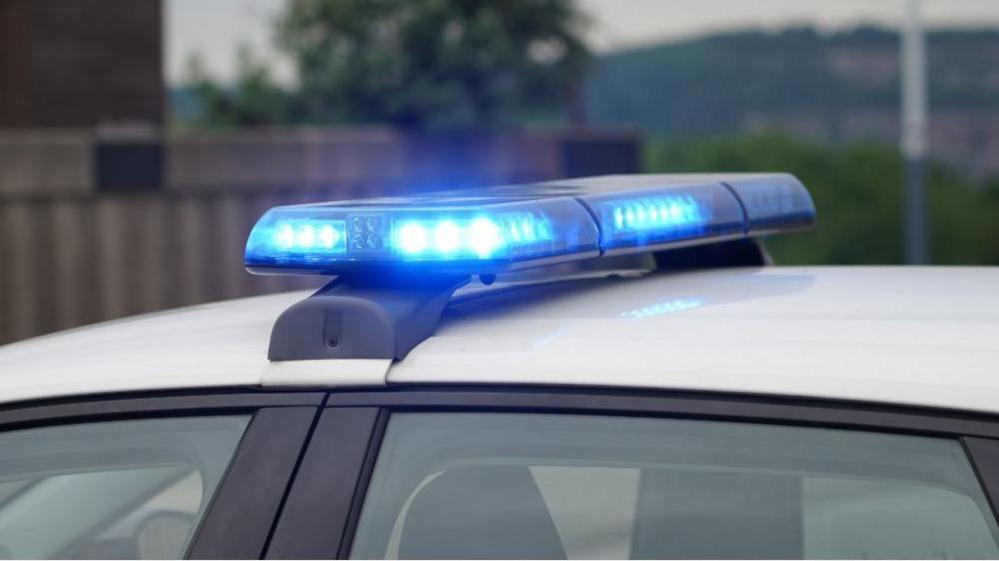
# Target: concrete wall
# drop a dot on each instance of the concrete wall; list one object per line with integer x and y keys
{"x": 79, "y": 243}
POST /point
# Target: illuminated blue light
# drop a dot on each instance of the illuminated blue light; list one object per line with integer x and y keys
{"x": 284, "y": 236}
{"x": 527, "y": 229}
{"x": 514, "y": 231}
{"x": 328, "y": 236}
{"x": 478, "y": 237}
{"x": 484, "y": 237}
{"x": 307, "y": 238}
{"x": 332, "y": 237}
{"x": 412, "y": 238}
{"x": 447, "y": 237}
{"x": 680, "y": 214}
{"x": 545, "y": 231}
{"x": 663, "y": 216}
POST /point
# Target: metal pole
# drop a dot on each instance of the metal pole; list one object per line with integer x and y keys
{"x": 914, "y": 143}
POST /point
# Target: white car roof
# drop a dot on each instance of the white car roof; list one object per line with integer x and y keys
{"x": 907, "y": 336}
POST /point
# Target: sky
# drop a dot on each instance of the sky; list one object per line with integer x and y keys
{"x": 214, "y": 28}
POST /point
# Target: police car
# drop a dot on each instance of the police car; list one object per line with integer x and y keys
{"x": 593, "y": 368}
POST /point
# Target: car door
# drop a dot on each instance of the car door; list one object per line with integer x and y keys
{"x": 508, "y": 473}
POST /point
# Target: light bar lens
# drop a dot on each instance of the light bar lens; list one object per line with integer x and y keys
{"x": 503, "y": 228}
{"x": 304, "y": 236}
{"x": 666, "y": 215}
{"x": 774, "y": 202}
{"x": 476, "y": 237}
{"x": 330, "y": 237}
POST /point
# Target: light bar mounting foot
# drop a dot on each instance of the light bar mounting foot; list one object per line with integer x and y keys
{"x": 363, "y": 317}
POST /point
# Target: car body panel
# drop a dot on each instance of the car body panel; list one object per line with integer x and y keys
{"x": 212, "y": 345}
{"x": 905, "y": 336}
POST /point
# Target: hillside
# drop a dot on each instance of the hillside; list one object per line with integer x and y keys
{"x": 821, "y": 87}
{"x": 723, "y": 83}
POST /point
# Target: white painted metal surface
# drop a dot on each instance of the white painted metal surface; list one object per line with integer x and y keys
{"x": 917, "y": 336}
{"x": 213, "y": 345}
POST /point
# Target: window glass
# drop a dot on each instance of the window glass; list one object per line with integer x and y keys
{"x": 110, "y": 490}
{"x": 469, "y": 485}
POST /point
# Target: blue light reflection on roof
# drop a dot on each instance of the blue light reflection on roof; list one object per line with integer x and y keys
{"x": 667, "y": 307}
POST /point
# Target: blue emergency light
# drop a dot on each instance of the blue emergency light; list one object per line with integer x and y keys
{"x": 511, "y": 227}
{"x": 376, "y": 307}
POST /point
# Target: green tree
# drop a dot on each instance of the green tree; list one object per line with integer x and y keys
{"x": 858, "y": 196}
{"x": 254, "y": 98}
{"x": 432, "y": 63}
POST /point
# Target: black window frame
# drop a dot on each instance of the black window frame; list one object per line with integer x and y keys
{"x": 241, "y": 515}
{"x": 296, "y": 483}
{"x": 324, "y": 501}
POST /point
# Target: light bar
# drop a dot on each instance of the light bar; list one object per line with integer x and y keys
{"x": 516, "y": 226}
{"x": 484, "y": 238}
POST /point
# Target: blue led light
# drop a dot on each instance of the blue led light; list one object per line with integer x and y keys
{"x": 479, "y": 237}
{"x": 661, "y": 216}
{"x": 412, "y": 238}
{"x": 681, "y": 213}
{"x": 333, "y": 237}
{"x": 484, "y": 237}
{"x": 300, "y": 238}
{"x": 447, "y": 237}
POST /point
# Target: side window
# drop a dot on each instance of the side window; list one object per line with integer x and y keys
{"x": 111, "y": 490}
{"x": 470, "y": 485}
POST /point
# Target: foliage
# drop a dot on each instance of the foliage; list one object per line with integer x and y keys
{"x": 857, "y": 191}
{"x": 421, "y": 65}
{"x": 254, "y": 99}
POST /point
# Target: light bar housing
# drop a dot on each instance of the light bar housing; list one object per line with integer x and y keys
{"x": 491, "y": 230}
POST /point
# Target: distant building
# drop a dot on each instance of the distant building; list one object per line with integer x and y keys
{"x": 80, "y": 63}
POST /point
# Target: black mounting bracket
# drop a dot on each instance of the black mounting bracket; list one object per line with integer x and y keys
{"x": 742, "y": 252}
{"x": 385, "y": 316}
{"x": 363, "y": 317}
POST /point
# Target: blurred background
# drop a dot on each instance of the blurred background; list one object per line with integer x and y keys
{"x": 140, "y": 140}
